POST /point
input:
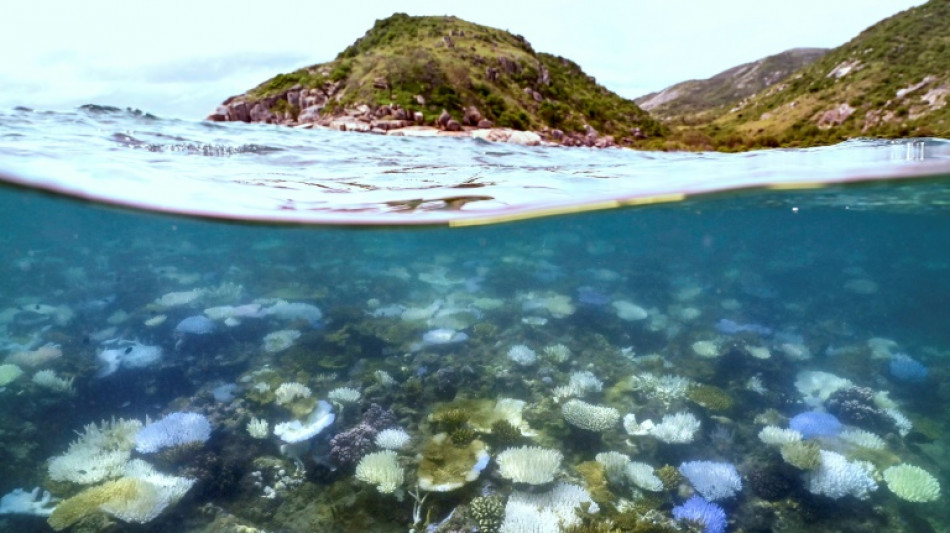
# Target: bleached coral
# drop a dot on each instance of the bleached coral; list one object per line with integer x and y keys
{"x": 862, "y": 438}
{"x": 837, "y": 477}
{"x": 49, "y": 380}
{"x": 706, "y": 349}
{"x": 912, "y": 483}
{"x": 628, "y": 310}
{"x": 172, "y": 430}
{"x": 816, "y": 386}
{"x": 635, "y": 428}
{"x": 522, "y": 355}
{"x": 665, "y": 388}
{"x": 901, "y": 422}
{"x": 588, "y": 416}
{"x": 557, "y": 353}
{"x": 8, "y": 373}
{"x": 288, "y": 392}
{"x": 343, "y": 395}
{"x": 318, "y": 420}
{"x": 615, "y": 464}
{"x": 19, "y": 501}
{"x": 278, "y": 341}
{"x": 139, "y": 496}
{"x": 643, "y": 476}
{"x": 583, "y": 382}
{"x": 101, "y": 452}
{"x": 392, "y": 439}
{"x": 158, "y": 492}
{"x": 551, "y": 511}
{"x": 678, "y": 428}
{"x": 714, "y": 481}
{"x": 529, "y": 464}
{"x": 382, "y": 470}
{"x": 776, "y": 436}
{"x": 258, "y": 428}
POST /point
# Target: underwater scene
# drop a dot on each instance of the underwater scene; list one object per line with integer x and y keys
{"x": 759, "y": 362}
{"x": 326, "y": 352}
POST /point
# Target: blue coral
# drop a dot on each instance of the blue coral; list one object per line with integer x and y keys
{"x": 174, "y": 429}
{"x": 714, "y": 481}
{"x": 696, "y": 510}
{"x": 815, "y": 424}
{"x": 905, "y": 368}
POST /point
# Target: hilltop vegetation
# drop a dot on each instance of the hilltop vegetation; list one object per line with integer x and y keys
{"x": 892, "y": 80}
{"x": 407, "y": 70}
{"x": 698, "y": 101}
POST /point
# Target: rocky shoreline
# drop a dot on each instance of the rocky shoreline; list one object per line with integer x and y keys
{"x": 306, "y": 108}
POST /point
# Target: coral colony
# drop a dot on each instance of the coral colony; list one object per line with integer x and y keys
{"x": 419, "y": 396}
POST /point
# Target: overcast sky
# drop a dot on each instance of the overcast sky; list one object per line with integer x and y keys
{"x": 181, "y": 58}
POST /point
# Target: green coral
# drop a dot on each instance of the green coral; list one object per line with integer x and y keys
{"x": 670, "y": 476}
{"x": 803, "y": 454}
{"x": 710, "y": 397}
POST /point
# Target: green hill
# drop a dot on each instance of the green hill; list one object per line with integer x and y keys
{"x": 892, "y": 80}
{"x": 406, "y": 70}
{"x": 697, "y": 101}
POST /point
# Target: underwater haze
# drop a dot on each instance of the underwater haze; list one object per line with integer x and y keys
{"x": 291, "y": 333}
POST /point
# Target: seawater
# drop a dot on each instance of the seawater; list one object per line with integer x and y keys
{"x": 742, "y": 310}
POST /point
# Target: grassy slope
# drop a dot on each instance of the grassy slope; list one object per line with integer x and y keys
{"x": 700, "y": 101}
{"x": 411, "y": 55}
{"x": 896, "y": 53}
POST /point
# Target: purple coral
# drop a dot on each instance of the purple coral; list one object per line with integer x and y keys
{"x": 348, "y": 447}
{"x": 699, "y": 511}
{"x": 815, "y": 424}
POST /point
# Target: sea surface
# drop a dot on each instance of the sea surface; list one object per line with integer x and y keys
{"x": 238, "y": 327}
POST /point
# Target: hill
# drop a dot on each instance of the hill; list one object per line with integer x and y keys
{"x": 697, "y": 101}
{"x": 892, "y": 80}
{"x": 446, "y": 72}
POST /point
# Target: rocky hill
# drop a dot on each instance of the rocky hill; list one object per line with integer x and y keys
{"x": 409, "y": 73}
{"x": 697, "y": 101}
{"x": 892, "y": 80}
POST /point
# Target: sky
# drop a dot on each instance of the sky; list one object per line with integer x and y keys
{"x": 178, "y": 58}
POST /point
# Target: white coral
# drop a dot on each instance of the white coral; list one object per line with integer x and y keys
{"x": 382, "y": 470}
{"x": 258, "y": 428}
{"x": 551, "y": 511}
{"x": 643, "y": 476}
{"x": 529, "y": 464}
{"x": 344, "y": 395}
{"x": 100, "y": 452}
{"x": 288, "y": 392}
{"x": 522, "y": 355}
{"x": 679, "y": 428}
{"x": 776, "y": 436}
{"x": 49, "y": 380}
{"x": 588, "y": 416}
{"x": 392, "y": 439}
{"x": 837, "y": 477}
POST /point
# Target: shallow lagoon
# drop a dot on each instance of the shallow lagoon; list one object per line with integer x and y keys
{"x": 618, "y": 309}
